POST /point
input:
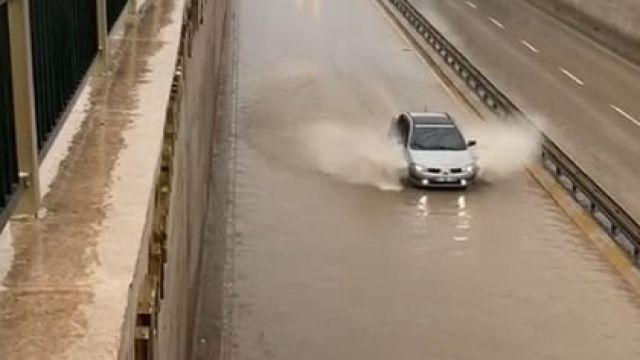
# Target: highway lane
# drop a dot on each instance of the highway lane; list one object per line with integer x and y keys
{"x": 326, "y": 265}
{"x": 584, "y": 96}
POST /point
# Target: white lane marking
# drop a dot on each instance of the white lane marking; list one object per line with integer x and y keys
{"x": 572, "y": 77}
{"x": 625, "y": 114}
{"x": 496, "y": 23}
{"x": 472, "y": 5}
{"x": 529, "y": 46}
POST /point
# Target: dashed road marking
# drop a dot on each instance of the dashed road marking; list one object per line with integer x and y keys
{"x": 472, "y": 5}
{"x": 529, "y": 46}
{"x": 572, "y": 77}
{"x": 625, "y": 115}
{"x": 496, "y": 23}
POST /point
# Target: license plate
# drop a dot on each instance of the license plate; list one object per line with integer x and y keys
{"x": 443, "y": 180}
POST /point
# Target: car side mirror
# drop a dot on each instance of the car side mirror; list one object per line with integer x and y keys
{"x": 472, "y": 143}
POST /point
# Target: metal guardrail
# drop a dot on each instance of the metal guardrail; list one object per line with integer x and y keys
{"x": 8, "y": 152}
{"x": 613, "y": 218}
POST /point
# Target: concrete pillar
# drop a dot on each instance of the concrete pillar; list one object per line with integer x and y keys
{"x": 24, "y": 106}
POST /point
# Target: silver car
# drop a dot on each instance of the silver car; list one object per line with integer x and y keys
{"x": 436, "y": 151}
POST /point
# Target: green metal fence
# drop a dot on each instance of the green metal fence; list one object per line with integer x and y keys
{"x": 114, "y": 9}
{"x": 64, "y": 43}
{"x": 8, "y": 162}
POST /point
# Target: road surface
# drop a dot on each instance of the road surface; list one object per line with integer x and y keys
{"x": 584, "y": 96}
{"x": 325, "y": 264}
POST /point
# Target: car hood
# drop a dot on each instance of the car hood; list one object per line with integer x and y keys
{"x": 441, "y": 158}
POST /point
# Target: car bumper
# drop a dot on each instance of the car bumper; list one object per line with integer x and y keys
{"x": 442, "y": 181}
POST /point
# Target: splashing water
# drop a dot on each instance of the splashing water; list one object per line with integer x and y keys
{"x": 504, "y": 148}
{"x": 364, "y": 155}
{"x": 358, "y": 155}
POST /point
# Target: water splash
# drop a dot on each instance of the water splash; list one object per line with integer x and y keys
{"x": 355, "y": 154}
{"x": 504, "y": 148}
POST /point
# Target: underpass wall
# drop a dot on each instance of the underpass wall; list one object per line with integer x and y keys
{"x": 164, "y": 300}
{"x": 201, "y": 74}
{"x": 614, "y": 23}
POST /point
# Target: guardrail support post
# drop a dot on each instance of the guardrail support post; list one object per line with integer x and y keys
{"x": 103, "y": 34}
{"x": 24, "y": 106}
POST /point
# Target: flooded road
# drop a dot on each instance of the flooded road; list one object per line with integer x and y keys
{"x": 331, "y": 261}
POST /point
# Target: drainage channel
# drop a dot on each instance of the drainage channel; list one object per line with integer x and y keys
{"x": 622, "y": 228}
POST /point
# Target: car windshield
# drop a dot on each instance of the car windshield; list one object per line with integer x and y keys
{"x": 436, "y": 137}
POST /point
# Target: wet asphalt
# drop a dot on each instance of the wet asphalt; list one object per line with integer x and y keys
{"x": 326, "y": 265}
{"x": 582, "y": 95}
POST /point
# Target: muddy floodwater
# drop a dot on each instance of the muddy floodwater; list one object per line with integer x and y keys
{"x": 333, "y": 259}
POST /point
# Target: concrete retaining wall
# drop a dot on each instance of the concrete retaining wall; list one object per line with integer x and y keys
{"x": 202, "y": 74}
{"x": 613, "y": 23}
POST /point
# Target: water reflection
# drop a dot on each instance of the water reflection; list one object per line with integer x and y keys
{"x": 462, "y": 202}
{"x": 454, "y": 208}
{"x": 463, "y": 220}
{"x": 423, "y": 206}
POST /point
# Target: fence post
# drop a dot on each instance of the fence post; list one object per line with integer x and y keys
{"x": 132, "y": 7}
{"x": 103, "y": 34}
{"x": 24, "y": 106}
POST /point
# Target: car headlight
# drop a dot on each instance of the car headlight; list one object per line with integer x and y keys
{"x": 470, "y": 168}
{"x": 418, "y": 168}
